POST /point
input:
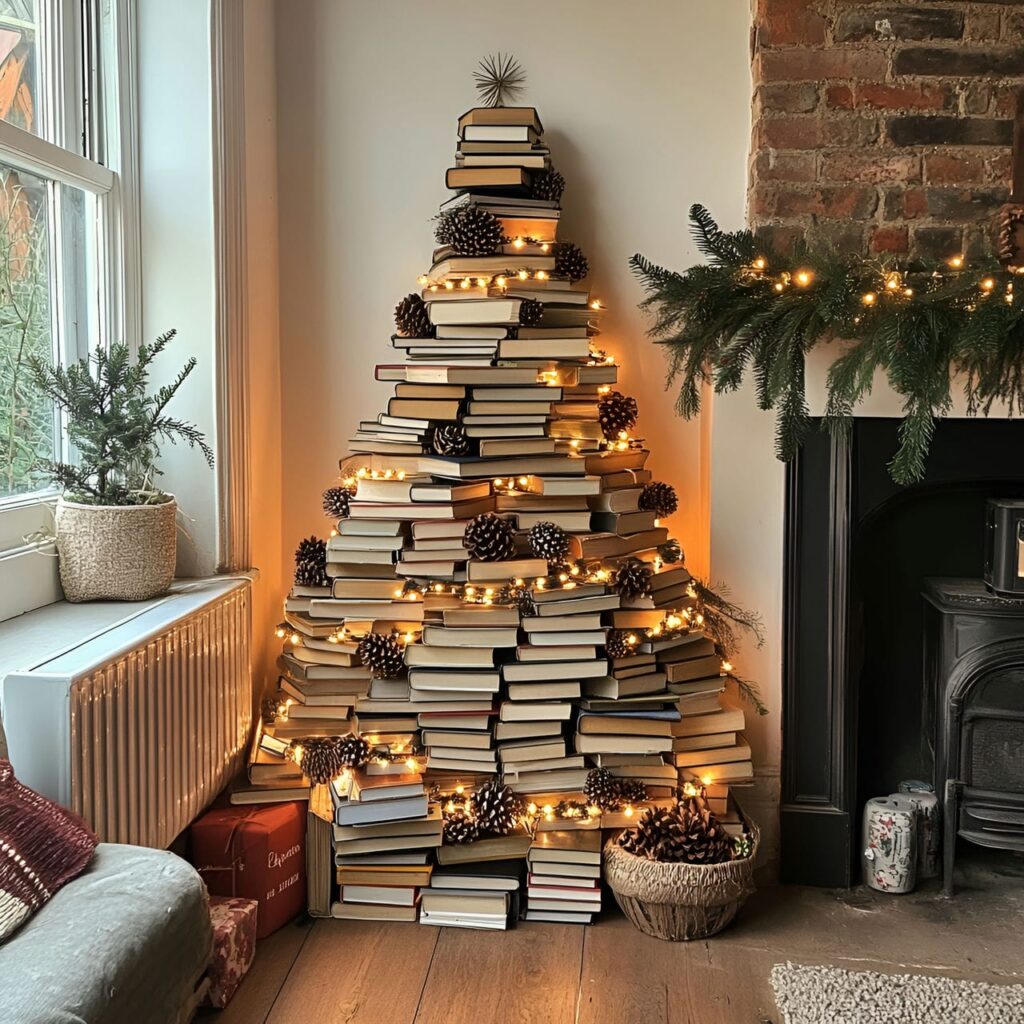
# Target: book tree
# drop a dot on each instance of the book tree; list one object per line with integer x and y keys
{"x": 499, "y": 651}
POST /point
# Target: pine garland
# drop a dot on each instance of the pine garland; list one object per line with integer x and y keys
{"x": 752, "y": 310}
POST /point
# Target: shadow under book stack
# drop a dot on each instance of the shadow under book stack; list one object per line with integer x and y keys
{"x": 498, "y": 604}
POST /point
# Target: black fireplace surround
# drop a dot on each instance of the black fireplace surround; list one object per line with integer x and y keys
{"x": 860, "y": 551}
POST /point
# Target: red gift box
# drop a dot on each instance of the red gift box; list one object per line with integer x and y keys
{"x": 258, "y": 853}
{"x": 234, "y": 946}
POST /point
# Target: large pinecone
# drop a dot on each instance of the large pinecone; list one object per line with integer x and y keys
{"x": 489, "y": 538}
{"x": 547, "y": 185}
{"x": 449, "y": 439}
{"x": 633, "y": 579}
{"x": 495, "y": 808}
{"x": 602, "y": 789}
{"x": 311, "y": 563}
{"x": 617, "y": 645}
{"x": 459, "y": 828}
{"x": 471, "y": 231}
{"x": 671, "y": 551}
{"x": 687, "y": 833}
{"x": 647, "y": 835}
{"x": 616, "y": 412}
{"x": 353, "y": 750}
{"x": 659, "y": 498}
{"x": 570, "y": 262}
{"x": 548, "y": 541}
{"x": 319, "y": 757}
{"x": 412, "y": 318}
{"x": 531, "y": 312}
{"x": 335, "y": 501}
{"x": 383, "y": 654}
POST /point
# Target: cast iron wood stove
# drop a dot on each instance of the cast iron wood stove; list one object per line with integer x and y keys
{"x": 974, "y": 680}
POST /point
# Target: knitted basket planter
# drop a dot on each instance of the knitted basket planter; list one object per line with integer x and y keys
{"x": 116, "y": 552}
{"x": 679, "y": 902}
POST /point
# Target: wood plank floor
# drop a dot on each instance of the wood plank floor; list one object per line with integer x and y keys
{"x": 347, "y": 972}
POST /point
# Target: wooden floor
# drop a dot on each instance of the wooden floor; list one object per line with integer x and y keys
{"x": 335, "y": 972}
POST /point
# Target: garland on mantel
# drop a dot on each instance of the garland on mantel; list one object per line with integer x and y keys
{"x": 921, "y": 322}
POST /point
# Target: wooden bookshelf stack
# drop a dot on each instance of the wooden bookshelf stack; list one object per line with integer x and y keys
{"x": 497, "y": 410}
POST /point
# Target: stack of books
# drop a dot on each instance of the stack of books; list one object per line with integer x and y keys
{"x": 564, "y": 884}
{"x": 384, "y": 829}
{"x": 499, "y": 406}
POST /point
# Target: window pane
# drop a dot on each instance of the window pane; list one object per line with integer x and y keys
{"x": 19, "y": 64}
{"x": 28, "y": 424}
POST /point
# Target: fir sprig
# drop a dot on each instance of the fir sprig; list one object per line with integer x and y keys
{"x": 115, "y": 425}
{"x": 750, "y": 312}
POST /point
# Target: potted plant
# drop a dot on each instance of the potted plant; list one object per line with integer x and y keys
{"x": 116, "y": 531}
{"x": 678, "y": 874}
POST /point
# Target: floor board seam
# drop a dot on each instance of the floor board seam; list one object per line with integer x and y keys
{"x": 426, "y": 976}
{"x": 288, "y": 973}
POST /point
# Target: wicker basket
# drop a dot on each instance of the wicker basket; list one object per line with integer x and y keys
{"x": 679, "y": 901}
{"x": 116, "y": 552}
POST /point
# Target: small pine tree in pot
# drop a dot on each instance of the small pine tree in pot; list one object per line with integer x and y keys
{"x": 116, "y": 531}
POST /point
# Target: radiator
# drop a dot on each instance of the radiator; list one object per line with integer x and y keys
{"x": 141, "y": 725}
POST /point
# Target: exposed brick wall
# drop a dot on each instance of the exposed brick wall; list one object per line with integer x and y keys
{"x": 885, "y": 127}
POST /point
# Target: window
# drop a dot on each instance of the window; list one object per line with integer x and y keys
{"x": 66, "y": 220}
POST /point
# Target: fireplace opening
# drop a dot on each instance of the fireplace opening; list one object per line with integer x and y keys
{"x": 860, "y": 712}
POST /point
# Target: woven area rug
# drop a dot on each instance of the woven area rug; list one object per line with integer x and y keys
{"x": 816, "y": 995}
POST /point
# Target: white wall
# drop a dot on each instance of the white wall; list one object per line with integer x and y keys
{"x": 647, "y": 109}
{"x": 177, "y": 245}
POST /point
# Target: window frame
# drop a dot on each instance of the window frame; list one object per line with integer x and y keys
{"x": 88, "y": 97}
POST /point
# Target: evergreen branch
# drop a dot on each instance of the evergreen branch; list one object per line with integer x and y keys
{"x": 750, "y": 692}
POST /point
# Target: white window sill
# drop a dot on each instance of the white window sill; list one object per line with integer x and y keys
{"x": 63, "y": 633}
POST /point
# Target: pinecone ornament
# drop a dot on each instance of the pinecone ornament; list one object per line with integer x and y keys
{"x": 489, "y": 538}
{"x": 671, "y": 551}
{"x": 443, "y": 227}
{"x": 525, "y": 602}
{"x": 530, "y": 312}
{"x": 659, "y": 498}
{"x": 449, "y": 439}
{"x": 472, "y": 231}
{"x": 383, "y": 654}
{"x": 495, "y": 808}
{"x": 311, "y": 563}
{"x": 319, "y": 757}
{"x": 412, "y": 318}
{"x": 459, "y": 828}
{"x": 602, "y": 789}
{"x": 617, "y": 645}
{"x": 570, "y": 262}
{"x": 353, "y": 750}
{"x": 547, "y": 185}
{"x": 616, "y": 412}
{"x": 633, "y": 579}
{"x": 335, "y": 502}
{"x": 548, "y": 541}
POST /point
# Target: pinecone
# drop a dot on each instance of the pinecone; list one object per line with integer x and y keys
{"x": 335, "y": 501}
{"x": 646, "y": 836}
{"x": 602, "y": 789}
{"x": 633, "y": 791}
{"x": 449, "y": 439}
{"x": 443, "y": 227}
{"x": 547, "y": 185}
{"x": 659, "y": 498}
{"x": 489, "y": 538}
{"x": 633, "y": 579}
{"x": 530, "y": 312}
{"x": 459, "y": 828}
{"x": 353, "y": 750}
{"x": 671, "y": 551}
{"x": 311, "y": 563}
{"x": 472, "y": 231}
{"x": 319, "y": 757}
{"x": 548, "y": 541}
{"x": 616, "y": 412}
{"x": 495, "y": 808}
{"x": 525, "y": 602}
{"x": 617, "y": 645}
{"x": 383, "y": 654}
{"x": 412, "y": 318}
{"x": 570, "y": 262}
{"x": 270, "y": 707}
{"x": 700, "y": 837}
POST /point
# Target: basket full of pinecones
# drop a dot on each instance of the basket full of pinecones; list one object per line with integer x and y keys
{"x": 678, "y": 874}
